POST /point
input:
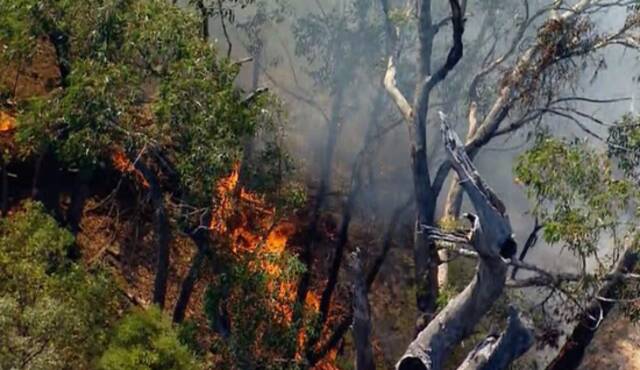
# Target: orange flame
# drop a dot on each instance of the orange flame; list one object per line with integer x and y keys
{"x": 252, "y": 227}
{"x": 7, "y": 122}
{"x": 122, "y": 163}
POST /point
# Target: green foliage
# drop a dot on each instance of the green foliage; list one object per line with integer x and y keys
{"x": 146, "y": 340}
{"x": 577, "y": 196}
{"x": 260, "y": 336}
{"x": 140, "y": 77}
{"x": 624, "y": 144}
{"x": 53, "y": 314}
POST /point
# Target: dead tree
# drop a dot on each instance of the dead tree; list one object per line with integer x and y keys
{"x": 201, "y": 240}
{"x": 491, "y": 233}
{"x": 341, "y": 329}
{"x": 498, "y": 352}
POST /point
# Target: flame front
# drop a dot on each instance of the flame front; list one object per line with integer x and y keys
{"x": 252, "y": 227}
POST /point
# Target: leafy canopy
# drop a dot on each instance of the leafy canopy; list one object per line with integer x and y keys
{"x": 146, "y": 340}
{"x": 53, "y": 314}
{"x": 140, "y": 79}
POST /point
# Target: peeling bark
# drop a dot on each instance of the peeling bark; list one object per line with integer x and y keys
{"x": 453, "y": 204}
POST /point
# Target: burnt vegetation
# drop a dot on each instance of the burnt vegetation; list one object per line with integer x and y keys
{"x": 226, "y": 184}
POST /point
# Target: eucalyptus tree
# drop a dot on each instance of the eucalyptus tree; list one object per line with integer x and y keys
{"x": 135, "y": 79}
{"x": 527, "y": 77}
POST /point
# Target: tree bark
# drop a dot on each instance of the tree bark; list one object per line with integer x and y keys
{"x": 425, "y": 255}
{"x": 186, "y": 289}
{"x": 497, "y": 353}
{"x": 78, "y": 200}
{"x": 161, "y": 230}
{"x": 425, "y": 258}
{"x": 60, "y": 42}
{"x": 571, "y": 354}
{"x": 361, "y": 317}
{"x": 204, "y": 18}
{"x": 491, "y": 231}
{"x": 453, "y": 203}
{"x": 323, "y": 189}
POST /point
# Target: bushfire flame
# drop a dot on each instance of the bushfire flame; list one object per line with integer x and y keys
{"x": 252, "y": 226}
{"x": 122, "y": 163}
{"x": 7, "y": 122}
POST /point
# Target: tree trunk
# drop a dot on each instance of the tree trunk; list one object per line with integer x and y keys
{"x": 78, "y": 200}
{"x": 347, "y": 211}
{"x": 186, "y": 289}
{"x": 161, "y": 230}
{"x": 60, "y": 42}
{"x": 571, "y": 354}
{"x": 453, "y": 203}
{"x": 323, "y": 189}
{"x": 204, "y": 19}
{"x": 497, "y": 353}
{"x": 425, "y": 256}
{"x": 48, "y": 194}
{"x": 361, "y": 317}
{"x": 491, "y": 232}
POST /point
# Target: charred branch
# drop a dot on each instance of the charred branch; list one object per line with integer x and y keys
{"x": 532, "y": 239}
{"x": 341, "y": 329}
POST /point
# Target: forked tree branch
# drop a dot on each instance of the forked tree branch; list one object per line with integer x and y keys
{"x": 490, "y": 233}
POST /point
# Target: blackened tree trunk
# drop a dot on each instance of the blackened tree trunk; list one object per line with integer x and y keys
{"x": 571, "y": 354}
{"x": 78, "y": 200}
{"x": 361, "y": 317}
{"x": 323, "y": 189}
{"x": 161, "y": 230}
{"x": 186, "y": 289}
